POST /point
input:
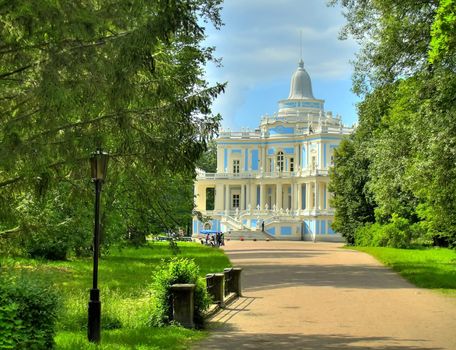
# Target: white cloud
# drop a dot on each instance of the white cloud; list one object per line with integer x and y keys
{"x": 259, "y": 45}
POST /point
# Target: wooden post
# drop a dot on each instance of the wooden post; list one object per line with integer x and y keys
{"x": 236, "y": 281}
{"x": 216, "y": 287}
{"x": 183, "y": 304}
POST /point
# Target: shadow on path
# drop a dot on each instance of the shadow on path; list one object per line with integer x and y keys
{"x": 235, "y": 341}
{"x": 268, "y": 276}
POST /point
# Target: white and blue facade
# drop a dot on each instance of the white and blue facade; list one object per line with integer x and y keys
{"x": 276, "y": 174}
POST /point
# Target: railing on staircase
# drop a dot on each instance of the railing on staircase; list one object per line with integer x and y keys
{"x": 232, "y": 222}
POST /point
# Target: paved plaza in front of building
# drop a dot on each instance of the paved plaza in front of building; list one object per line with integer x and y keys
{"x": 304, "y": 295}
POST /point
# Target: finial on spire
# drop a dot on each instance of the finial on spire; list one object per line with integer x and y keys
{"x": 301, "y": 62}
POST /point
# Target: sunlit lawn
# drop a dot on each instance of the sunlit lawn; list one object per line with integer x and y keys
{"x": 433, "y": 268}
{"x": 124, "y": 279}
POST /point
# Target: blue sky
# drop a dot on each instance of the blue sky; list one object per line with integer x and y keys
{"x": 260, "y": 49}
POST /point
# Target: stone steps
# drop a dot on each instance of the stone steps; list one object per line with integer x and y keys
{"x": 248, "y": 235}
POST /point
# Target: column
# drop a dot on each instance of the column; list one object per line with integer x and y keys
{"x": 264, "y": 158}
{"x": 293, "y": 196}
{"x": 317, "y": 196}
{"x": 299, "y": 204}
{"x": 262, "y": 196}
{"x": 309, "y": 194}
{"x": 242, "y": 198}
{"x": 227, "y": 197}
{"x": 253, "y": 195}
{"x": 279, "y": 196}
{"x": 325, "y": 196}
{"x": 219, "y": 192}
{"x": 296, "y": 157}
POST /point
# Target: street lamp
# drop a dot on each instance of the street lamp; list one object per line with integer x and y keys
{"x": 99, "y": 166}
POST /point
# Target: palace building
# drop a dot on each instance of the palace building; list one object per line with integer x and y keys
{"x": 275, "y": 178}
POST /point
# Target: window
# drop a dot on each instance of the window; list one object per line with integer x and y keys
{"x": 236, "y": 166}
{"x": 280, "y": 161}
{"x": 235, "y": 201}
{"x": 291, "y": 164}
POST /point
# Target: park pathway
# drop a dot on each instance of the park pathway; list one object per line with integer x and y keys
{"x": 303, "y": 295}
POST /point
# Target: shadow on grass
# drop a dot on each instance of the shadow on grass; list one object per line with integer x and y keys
{"x": 172, "y": 338}
{"x": 426, "y": 276}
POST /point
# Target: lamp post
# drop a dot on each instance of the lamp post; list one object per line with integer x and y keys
{"x": 99, "y": 166}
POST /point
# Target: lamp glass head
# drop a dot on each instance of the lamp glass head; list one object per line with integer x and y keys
{"x": 99, "y": 165}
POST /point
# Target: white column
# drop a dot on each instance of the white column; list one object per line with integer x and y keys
{"x": 253, "y": 194}
{"x": 242, "y": 198}
{"x": 227, "y": 197}
{"x": 296, "y": 157}
{"x": 279, "y": 196}
{"x": 293, "y": 196}
{"x": 309, "y": 196}
{"x": 219, "y": 191}
{"x": 317, "y": 195}
{"x": 299, "y": 192}
{"x": 325, "y": 196}
{"x": 262, "y": 195}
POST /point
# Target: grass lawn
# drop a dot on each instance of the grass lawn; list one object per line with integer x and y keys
{"x": 433, "y": 268}
{"x": 124, "y": 277}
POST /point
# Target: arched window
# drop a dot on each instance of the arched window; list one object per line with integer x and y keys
{"x": 280, "y": 161}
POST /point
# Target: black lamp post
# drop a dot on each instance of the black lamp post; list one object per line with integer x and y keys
{"x": 99, "y": 166}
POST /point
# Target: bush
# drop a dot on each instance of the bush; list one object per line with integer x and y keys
{"x": 396, "y": 234}
{"x": 177, "y": 270}
{"x": 28, "y": 313}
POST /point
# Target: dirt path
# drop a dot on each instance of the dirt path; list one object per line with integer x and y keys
{"x": 301, "y": 295}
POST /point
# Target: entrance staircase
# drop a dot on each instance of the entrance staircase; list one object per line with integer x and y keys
{"x": 248, "y": 235}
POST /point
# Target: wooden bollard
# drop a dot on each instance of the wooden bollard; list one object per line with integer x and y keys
{"x": 183, "y": 304}
{"x": 227, "y": 277}
{"x": 219, "y": 289}
{"x": 236, "y": 284}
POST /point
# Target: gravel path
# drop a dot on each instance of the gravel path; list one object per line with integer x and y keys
{"x": 303, "y": 295}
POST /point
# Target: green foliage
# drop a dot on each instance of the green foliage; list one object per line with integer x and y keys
{"x": 125, "y": 300}
{"x": 395, "y": 234}
{"x": 348, "y": 183}
{"x": 426, "y": 268}
{"x": 443, "y": 40}
{"x": 28, "y": 313}
{"x": 144, "y": 338}
{"x": 177, "y": 270}
{"x": 406, "y": 133}
{"x": 125, "y": 76}
{"x": 208, "y": 160}
{"x": 11, "y": 327}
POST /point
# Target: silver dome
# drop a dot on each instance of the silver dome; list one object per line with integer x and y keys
{"x": 301, "y": 85}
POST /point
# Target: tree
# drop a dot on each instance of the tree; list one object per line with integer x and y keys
{"x": 351, "y": 200}
{"x": 208, "y": 160}
{"x": 408, "y": 55}
{"x": 125, "y": 76}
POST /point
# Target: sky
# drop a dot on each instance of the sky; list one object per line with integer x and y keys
{"x": 260, "y": 49}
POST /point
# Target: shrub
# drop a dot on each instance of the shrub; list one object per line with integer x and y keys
{"x": 28, "y": 313}
{"x": 396, "y": 234}
{"x": 177, "y": 270}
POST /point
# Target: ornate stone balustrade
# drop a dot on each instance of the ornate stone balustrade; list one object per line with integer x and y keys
{"x": 262, "y": 175}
